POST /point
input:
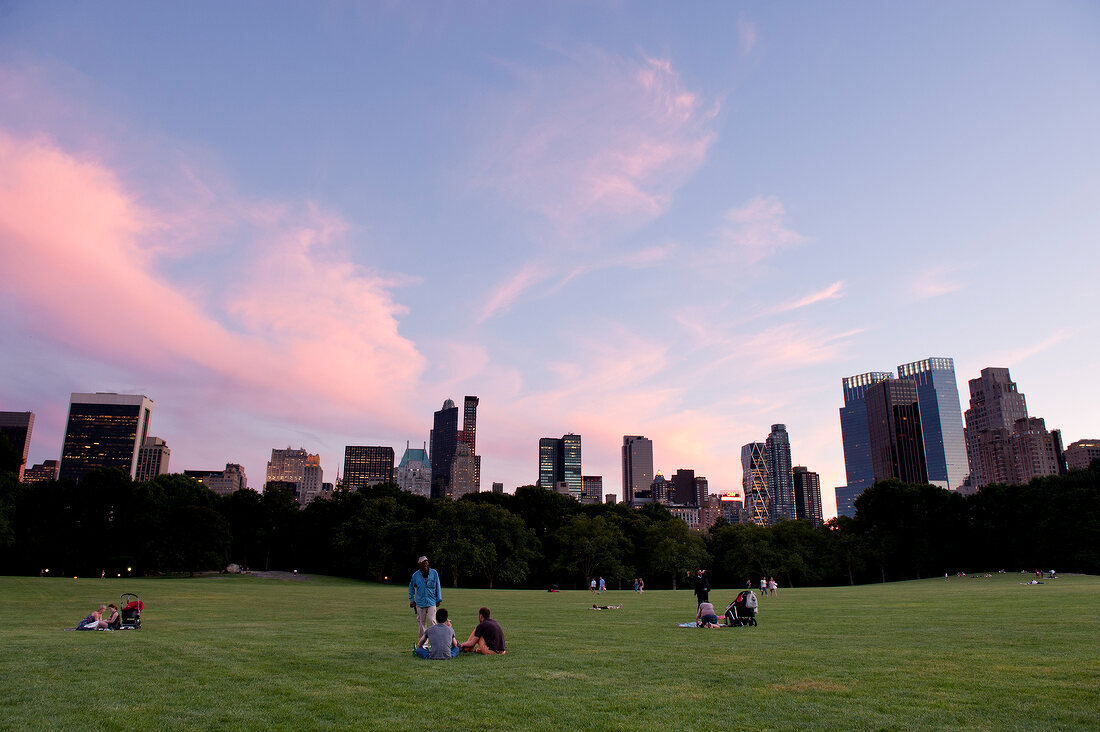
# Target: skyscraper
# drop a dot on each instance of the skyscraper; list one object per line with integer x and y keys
{"x": 807, "y": 495}
{"x": 17, "y": 427}
{"x": 637, "y": 466}
{"x": 444, "y": 444}
{"x": 940, "y": 419}
{"x": 560, "y": 462}
{"x": 366, "y": 465}
{"x": 894, "y": 426}
{"x": 468, "y": 435}
{"x": 756, "y": 485}
{"x": 104, "y": 430}
{"x": 781, "y": 482}
{"x": 995, "y": 404}
{"x": 857, "y": 441}
{"x": 289, "y": 465}
{"x": 683, "y": 488}
{"x": 152, "y": 459}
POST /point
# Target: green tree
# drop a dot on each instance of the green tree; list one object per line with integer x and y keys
{"x": 591, "y": 546}
{"x": 674, "y": 550}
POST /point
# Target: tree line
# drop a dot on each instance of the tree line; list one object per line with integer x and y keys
{"x": 537, "y": 538}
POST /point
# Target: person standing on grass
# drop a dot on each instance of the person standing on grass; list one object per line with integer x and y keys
{"x": 773, "y": 586}
{"x": 425, "y": 595}
{"x": 764, "y": 586}
{"x": 603, "y": 585}
{"x": 441, "y": 638}
{"x": 592, "y": 586}
{"x": 487, "y": 638}
{"x": 702, "y": 586}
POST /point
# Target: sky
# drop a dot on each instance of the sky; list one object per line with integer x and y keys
{"x": 309, "y": 224}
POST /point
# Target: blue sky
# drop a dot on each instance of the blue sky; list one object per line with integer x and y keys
{"x": 309, "y": 224}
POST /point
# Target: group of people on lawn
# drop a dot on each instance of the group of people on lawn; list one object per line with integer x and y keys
{"x": 436, "y": 637}
{"x": 96, "y": 621}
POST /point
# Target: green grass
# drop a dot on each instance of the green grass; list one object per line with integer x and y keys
{"x": 251, "y": 653}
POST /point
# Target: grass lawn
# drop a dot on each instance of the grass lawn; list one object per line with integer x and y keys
{"x": 253, "y": 653}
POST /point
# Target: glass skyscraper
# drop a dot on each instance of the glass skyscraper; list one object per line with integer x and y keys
{"x": 104, "y": 431}
{"x": 756, "y": 485}
{"x": 780, "y": 478}
{"x": 941, "y": 419}
{"x": 857, "y": 440}
{"x": 637, "y": 466}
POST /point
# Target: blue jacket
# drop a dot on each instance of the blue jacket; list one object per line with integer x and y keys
{"x": 425, "y": 592}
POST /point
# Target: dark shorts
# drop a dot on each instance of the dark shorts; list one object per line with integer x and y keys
{"x": 709, "y": 619}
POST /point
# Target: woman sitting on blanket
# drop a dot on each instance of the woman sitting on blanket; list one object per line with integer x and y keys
{"x": 706, "y": 618}
{"x": 94, "y": 621}
{"x": 114, "y": 620}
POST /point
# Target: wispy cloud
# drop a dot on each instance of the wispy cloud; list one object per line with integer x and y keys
{"x": 933, "y": 282}
{"x": 832, "y": 292}
{"x": 756, "y": 230}
{"x": 1016, "y": 355}
{"x": 598, "y": 141}
{"x": 746, "y": 35}
{"x": 298, "y": 322}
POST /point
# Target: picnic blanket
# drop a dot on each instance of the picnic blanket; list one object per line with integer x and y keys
{"x": 693, "y": 625}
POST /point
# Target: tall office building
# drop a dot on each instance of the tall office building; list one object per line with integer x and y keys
{"x": 468, "y": 435}
{"x": 781, "y": 481}
{"x": 444, "y": 444}
{"x": 1080, "y": 454}
{"x": 366, "y": 465}
{"x": 1034, "y": 450}
{"x": 289, "y": 465}
{"x": 152, "y": 459}
{"x": 549, "y": 449}
{"x": 463, "y": 469}
{"x": 17, "y": 427}
{"x": 591, "y": 489}
{"x": 560, "y": 462}
{"x": 995, "y": 405}
{"x": 414, "y": 472}
{"x": 311, "y": 485}
{"x": 807, "y": 495}
{"x": 637, "y": 466}
{"x": 104, "y": 431}
{"x": 756, "y": 484}
{"x": 857, "y": 442}
{"x": 941, "y": 420}
{"x": 894, "y": 426}
{"x": 683, "y": 488}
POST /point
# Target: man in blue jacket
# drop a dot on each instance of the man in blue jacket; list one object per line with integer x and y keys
{"x": 425, "y": 594}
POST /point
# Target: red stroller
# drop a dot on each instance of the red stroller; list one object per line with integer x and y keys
{"x": 130, "y": 613}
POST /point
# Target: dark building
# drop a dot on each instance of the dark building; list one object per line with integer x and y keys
{"x": 444, "y": 445}
{"x": 42, "y": 473}
{"x": 366, "y": 465}
{"x": 637, "y": 466}
{"x": 780, "y": 481}
{"x": 468, "y": 436}
{"x": 683, "y": 488}
{"x": 857, "y": 442}
{"x": 560, "y": 462}
{"x": 807, "y": 495}
{"x": 893, "y": 425}
{"x": 17, "y": 427}
{"x": 104, "y": 431}
{"x": 591, "y": 489}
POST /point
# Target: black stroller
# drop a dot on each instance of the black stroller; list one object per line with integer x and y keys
{"x": 130, "y": 613}
{"x": 742, "y": 611}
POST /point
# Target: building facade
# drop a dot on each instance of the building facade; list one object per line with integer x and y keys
{"x": 781, "y": 480}
{"x": 230, "y": 480}
{"x": 560, "y": 462}
{"x": 995, "y": 404}
{"x": 756, "y": 485}
{"x": 637, "y": 466}
{"x": 44, "y": 472}
{"x": 858, "y": 470}
{"x": 152, "y": 459}
{"x": 444, "y": 443}
{"x": 807, "y": 495}
{"x": 591, "y": 489}
{"x": 1080, "y": 454}
{"x": 682, "y": 492}
{"x": 366, "y": 465}
{"x": 468, "y": 436}
{"x": 289, "y": 465}
{"x": 893, "y": 424}
{"x": 941, "y": 420}
{"x": 17, "y": 427}
{"x": 104, "y": 430}
{"x": 414, "y": 472}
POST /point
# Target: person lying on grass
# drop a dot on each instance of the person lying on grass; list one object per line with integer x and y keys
{"x": 706, "y": 618}
{"x": 607, "y": 607}
{"x": 441, "y": 638}
{"x": 487, "y": 638}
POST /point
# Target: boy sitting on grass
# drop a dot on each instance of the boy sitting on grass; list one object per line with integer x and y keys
{"x": 441, "y": 638}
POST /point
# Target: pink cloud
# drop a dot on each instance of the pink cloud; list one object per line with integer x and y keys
{"x": 746, "y": 35}
{"x": 756, "y": 230}
{"x": 598, "y": 142}
{"x": 295, "y": 322}
{"x": 832, "y": 292}
{"x": 933, "y": 283}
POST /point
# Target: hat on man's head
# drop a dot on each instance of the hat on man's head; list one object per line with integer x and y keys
{"x": 422, "y": 559}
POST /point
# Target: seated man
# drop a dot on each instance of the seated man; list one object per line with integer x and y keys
{"x": 487, "y": 638}
{"x": 441, "y": 637}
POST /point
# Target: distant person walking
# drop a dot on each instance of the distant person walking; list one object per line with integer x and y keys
{"x": 773, "y": 586}
{"x": 425, "y": 595}
{"x": 592, "y": 586}
{"x": 603, "y": 586}
{"x": 764, "y": 586}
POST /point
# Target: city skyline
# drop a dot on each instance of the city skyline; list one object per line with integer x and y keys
{"x": 608, "y": 220}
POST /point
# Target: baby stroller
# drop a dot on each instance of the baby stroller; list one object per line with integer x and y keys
{"x": 742, "y": 611}
{"x": 130, "y": 613}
